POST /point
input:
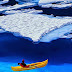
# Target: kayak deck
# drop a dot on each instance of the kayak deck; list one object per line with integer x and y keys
{"x": 31, "y": 66}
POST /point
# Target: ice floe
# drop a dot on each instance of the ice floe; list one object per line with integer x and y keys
{"x": 57, "y": 5}
{"x": 61, "y": 4}
{"x": 33, "y": 26}
{"x": 17, "y": 6}
{"x": 31, "y": 11}
{"x": 2, "y": 2}
{"x": 41, "y": 2}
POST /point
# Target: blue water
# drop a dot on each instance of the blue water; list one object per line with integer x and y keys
{"x": 14, "y": 49}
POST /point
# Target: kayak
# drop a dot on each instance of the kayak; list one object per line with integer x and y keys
{"x": 31, "y": 66}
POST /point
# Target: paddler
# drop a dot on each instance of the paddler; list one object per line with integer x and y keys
{"x": 23, "y": 64}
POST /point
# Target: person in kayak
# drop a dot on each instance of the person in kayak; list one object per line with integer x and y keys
{"x": 23, "y": 64}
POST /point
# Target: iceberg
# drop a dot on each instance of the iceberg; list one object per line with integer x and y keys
{"x": 34, "y": 26}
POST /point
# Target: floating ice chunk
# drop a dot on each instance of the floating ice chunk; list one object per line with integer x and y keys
{"x": 31, "y": 11}
{"x": 2, "y": 2}
{"x": 57, "y": 6}
{"x": 3, "y": 9}
{"x": 31, "y": 25}
{"x": 62, "y": 4}
{"x": 41, "y": 2}
{"x": 12, "y": 12}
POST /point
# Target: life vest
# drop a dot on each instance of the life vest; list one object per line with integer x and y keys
{"x": 24, "y": 66}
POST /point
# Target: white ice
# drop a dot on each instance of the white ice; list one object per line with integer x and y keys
{"x": 51, "y": 1}
{"x": 2, "y": 2}
{"x": 58, "y": 33}
{"x": 57, "y": 6}
{"x": 31, "y": 25}
{"x": 62, "y": 4}
{"x": 16, "y": 6}
{"x": 31, "y": 11}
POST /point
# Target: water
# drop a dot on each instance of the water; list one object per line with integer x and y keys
{"x": 14, "y": 49}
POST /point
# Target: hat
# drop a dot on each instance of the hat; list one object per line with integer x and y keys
{"x": 23, "y": 60}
